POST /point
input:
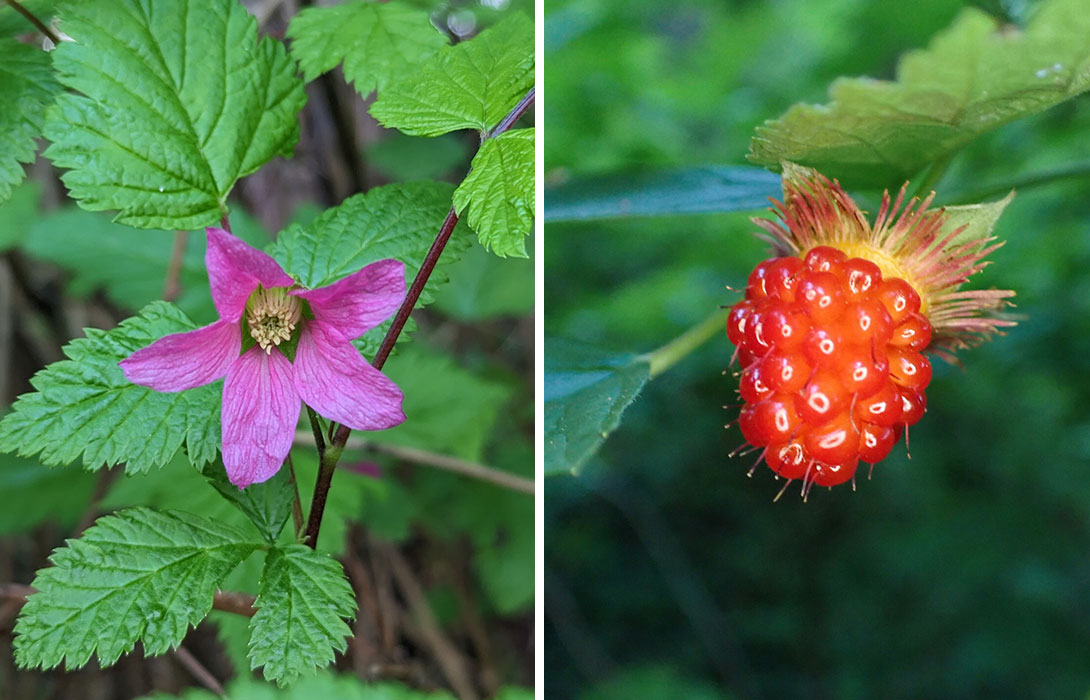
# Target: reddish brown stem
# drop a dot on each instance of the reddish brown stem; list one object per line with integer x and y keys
{"x": 35, "y": 21}
{"x": 227, "y": 601}
{"x": 333, "y": 450}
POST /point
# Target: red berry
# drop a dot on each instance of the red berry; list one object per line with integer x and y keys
{"x": 862, "y": 276}
{"x": 909, "y": 369}
{"x": 822, "y": 398}
{"x": 867, "y": 323}
{"x": 781, "y": 279}
{"x": 823, "y": 258}
{"x": 786, "y": 328}
{"x": 769, "y": 421}
{"x": 835, "y": 442}
{"x": 913, "y": 406}
{"x": 834, "y": 474}
{"x": 753, "y": 386}
{"x": 788, "y": 460}
{"x": 736, "y": 322}
{"x": 786, "y": 372}
{"x": 832, "y": 365}
{"x": 881, "y": 408}
{"x": 819, "y": 295}
{"x": 860, "y": 373}
{"x": 875, "y": 442}
{"x": 913, "y": 333}
{"x": 899, "y": 298}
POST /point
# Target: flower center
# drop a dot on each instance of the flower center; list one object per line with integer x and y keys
{"x": 272, "y": 315}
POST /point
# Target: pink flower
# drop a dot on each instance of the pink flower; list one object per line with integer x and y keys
{"x": 263, "y": 387}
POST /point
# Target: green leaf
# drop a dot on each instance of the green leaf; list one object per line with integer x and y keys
{"x": 974, "y": 77}
{"x": 268, "y": 505}
{"x": 976, "y": 220}
{"x": 396, "y": 221}
{"x": 376, "y": 41}
{"x": 585, "y": 395}
{"x": 327, "y": 685}
{"x": 178, "y": 100}
{"x": 432, "y": 384}
{"x": 19, "y": 213}
{"x": 129, "y": 265}
{"x": 12, "y": 23}
{"x": 405, "y": 158}
{"x": 27, "y": 88}
{"x": 42, "y": 495}
{"x": 138, "y": 575}
{"x": 713, "y": 188}
{"x": 472, "y": 85}
{"x": 483, "y": 286}
{"x": 302, "y": 605}
{"x": 85, "y": 406}
{"x": 497, "y": 196}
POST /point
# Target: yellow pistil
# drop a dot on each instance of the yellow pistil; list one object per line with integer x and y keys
{"x": 272, "y": 315}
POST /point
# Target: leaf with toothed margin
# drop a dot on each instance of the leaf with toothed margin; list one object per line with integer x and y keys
{"x": 974, "y": 77}
{"x": 138, "y": 575}
{"x": 472, "y": 85}
{"x": 497, "y": 197}
{"x": 302, "y": 604}
{"x": 85, "y": 407}
{"x": 376, "y": 41}
{"x": 27, "y": 88}
{"x": 173, "y": 101}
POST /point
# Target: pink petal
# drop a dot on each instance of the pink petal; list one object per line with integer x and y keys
{"x": 234, "y": 271}
{"x": 260, "y": 411}
{"x": 338, "y": 383}
{"x": 185, "y": 360}
{"x": 360, "y": 301}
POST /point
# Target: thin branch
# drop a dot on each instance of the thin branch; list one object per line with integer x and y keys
{"x": 226, "y": 601}
{"x": 196, "y": 669}
{"x": 334, "y": 449}
{"x": 296, "y": 501}
{"x": 514, "y": 115}
{"x": 102, "y": 485}
{"x": 35, "y": 21}
{"x": 233, "y": 602}
{"x": 448, "y": 656}
{"x": 172, "y": 286}
{"x": 439, "y": 461}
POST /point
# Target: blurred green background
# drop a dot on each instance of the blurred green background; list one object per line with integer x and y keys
{"x": 961, "y": 572}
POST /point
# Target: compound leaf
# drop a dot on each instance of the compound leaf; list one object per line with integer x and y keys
{"x": 302, "y": 605}
{"x": 139, "y": 575}
{"x": 468, "y": 86}
{"x": 975, "y": 77}
{"x": 27, "y": 88}
{"x": 376, "y": 41}
{"x": 85, "y": 406}
{"x": 497, "y": 197}
{"x": 179, "y": 100}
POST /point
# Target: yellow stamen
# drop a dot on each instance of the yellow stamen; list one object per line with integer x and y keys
{"x": 272, "y": 315}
